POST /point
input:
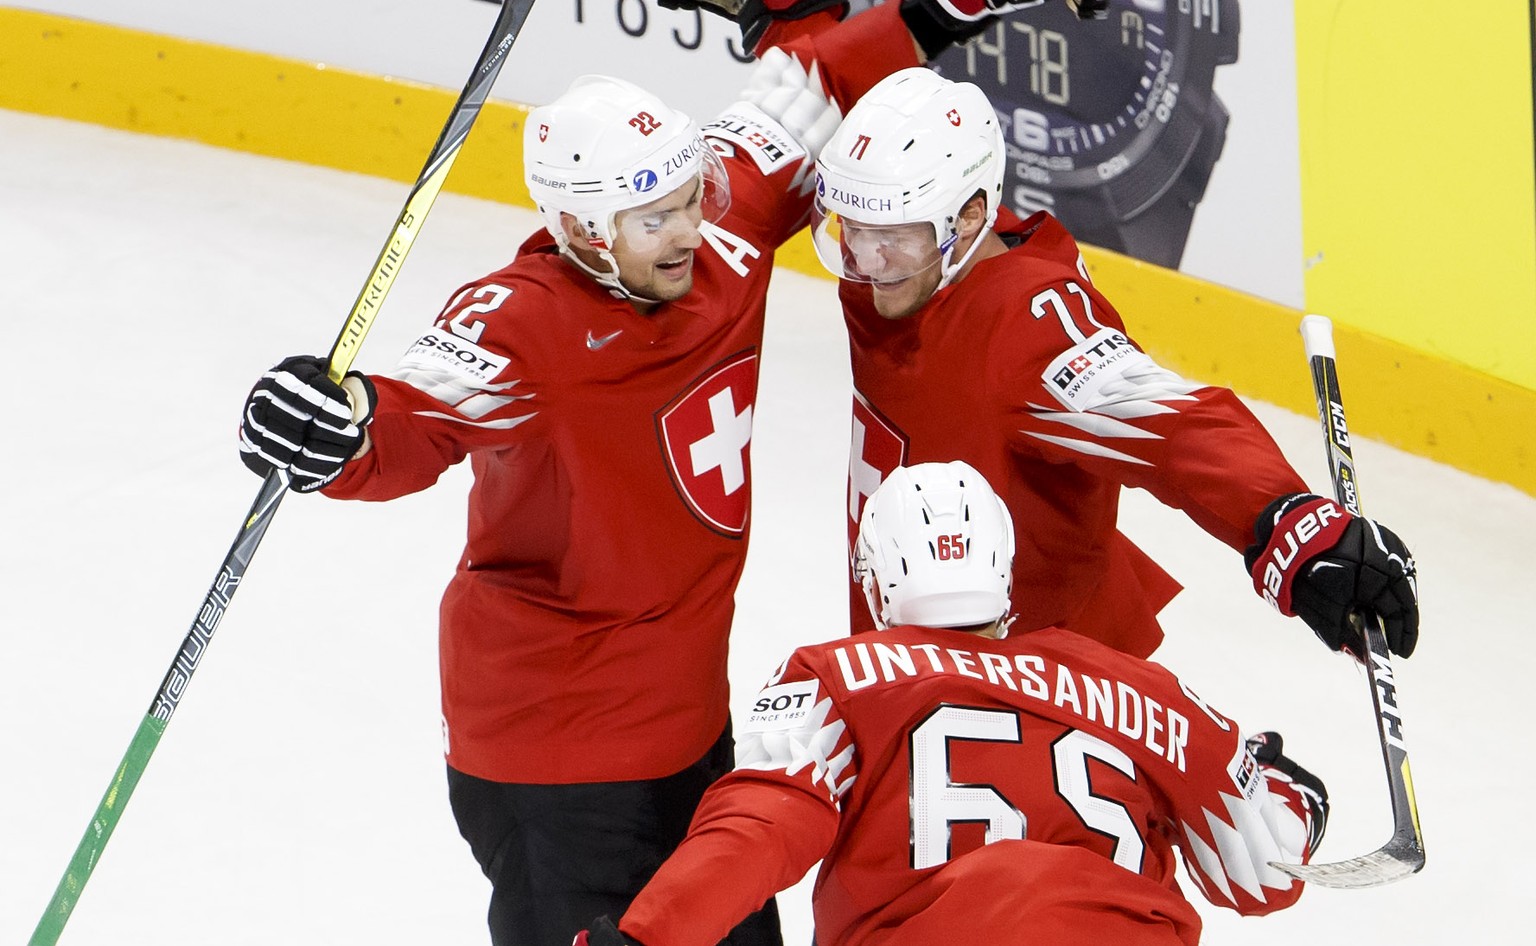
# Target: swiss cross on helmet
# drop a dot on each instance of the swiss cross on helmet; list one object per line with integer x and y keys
{"x": 935, "y": 548}
{"x": 914, "y": 150}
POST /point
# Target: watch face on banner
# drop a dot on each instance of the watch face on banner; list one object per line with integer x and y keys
{"x": 1111, "y": 124}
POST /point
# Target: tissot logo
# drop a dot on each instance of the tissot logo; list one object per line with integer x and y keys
{"x": 1101, "y": 349}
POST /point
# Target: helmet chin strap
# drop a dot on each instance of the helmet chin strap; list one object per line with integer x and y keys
{"x": 951, "y": 270}
{"x": 609, "y": 280}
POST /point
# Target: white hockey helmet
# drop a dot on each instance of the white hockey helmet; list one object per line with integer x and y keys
{"x": 935, "y": 548}
{"x": 912, "y": 151}
{"x": 605, "y": 146}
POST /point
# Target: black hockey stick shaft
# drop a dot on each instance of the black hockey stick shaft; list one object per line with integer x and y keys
{"x": 146, "y": 738}
{"x": 1403, "y": 854}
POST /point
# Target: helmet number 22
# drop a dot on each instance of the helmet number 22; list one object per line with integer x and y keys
{"x": 645, "y": 123}
{"x": 938, "y": 802}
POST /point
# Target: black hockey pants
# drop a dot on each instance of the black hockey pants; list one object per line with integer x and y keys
{"x": 559, "y": 856}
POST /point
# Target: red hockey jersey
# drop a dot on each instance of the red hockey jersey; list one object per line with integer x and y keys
{"x": 966, "y": 790}
{"x": 1025, "y": 371}
{"x": 583, "y": 635}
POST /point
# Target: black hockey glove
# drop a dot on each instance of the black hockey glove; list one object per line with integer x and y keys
{"x": 297, "y": 419}
{"x": 1090, "y": 9}
{"x": 1312, "y": 559}
{"x": 602, "y": 932}
{"x": 755, "y": 16}
{"x": 1266, "y": 747}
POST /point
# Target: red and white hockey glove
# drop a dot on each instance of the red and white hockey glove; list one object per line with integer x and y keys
{"x": 1312, "y": 559}
{"x": 297, "y": 419}
{"x": 755, "y": 16}
{"x": 602, "y": 932}
{"x": 1266, "y": 748}
{"x": 936, "y": 24}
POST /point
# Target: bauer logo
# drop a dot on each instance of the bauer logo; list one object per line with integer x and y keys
{"x": 781, "y": 708}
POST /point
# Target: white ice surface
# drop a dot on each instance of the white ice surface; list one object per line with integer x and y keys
{"x": 298, "y": 795}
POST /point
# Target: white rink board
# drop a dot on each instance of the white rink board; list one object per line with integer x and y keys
{"x": 1246, "y": 233}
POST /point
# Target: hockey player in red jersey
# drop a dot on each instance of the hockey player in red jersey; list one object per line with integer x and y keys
{"x": 601, "y": 386}
{"x": 979, "y": 336}
{"x": 961, "y": 784}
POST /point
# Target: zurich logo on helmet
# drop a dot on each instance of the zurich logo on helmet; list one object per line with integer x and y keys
{"x": 644, "y": 180}
{"x": 821, "y": 186}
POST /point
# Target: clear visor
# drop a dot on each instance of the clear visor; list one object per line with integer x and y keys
{"x": 872, "y": 253}
{"x": 678, "y": 215}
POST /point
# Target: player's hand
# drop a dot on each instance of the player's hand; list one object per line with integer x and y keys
{"x": 1266, "y": 748}
{"x": 938, "y": 24}
{"x": 957, "y": 12}
{"x": 726, "y": 8}
{"x": 1313, "y": 559}
{"x": 755, "y": 16}
{"x": 602, "y": 932}
{"x": 297, "y": 419}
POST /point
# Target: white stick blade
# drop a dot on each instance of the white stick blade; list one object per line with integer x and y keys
{"x": 1388, "y": 865}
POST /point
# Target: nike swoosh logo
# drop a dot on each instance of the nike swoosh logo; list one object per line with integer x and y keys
{"x": 593, "y": 343}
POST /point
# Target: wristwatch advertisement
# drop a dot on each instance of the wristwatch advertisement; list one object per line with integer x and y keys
{"x": 1112, "y": 125}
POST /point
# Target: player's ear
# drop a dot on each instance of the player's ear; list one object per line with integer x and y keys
{"x": 973, "y": 216}
{"x": 575, "y": 233}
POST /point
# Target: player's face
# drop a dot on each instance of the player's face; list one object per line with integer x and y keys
{"x": 654, "y": 243}
{"x": 900, "y": 262}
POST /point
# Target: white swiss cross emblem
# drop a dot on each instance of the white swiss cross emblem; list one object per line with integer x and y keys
{"x": 878, "y": 448}
{"x": 705, "y": 433}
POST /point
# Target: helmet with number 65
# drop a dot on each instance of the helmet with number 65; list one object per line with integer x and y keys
{"x": 908, "y": 157}
{"x": 935, "y": 548}
{"x": 606, "y": 146}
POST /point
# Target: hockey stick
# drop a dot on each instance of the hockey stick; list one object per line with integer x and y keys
{"x": 509, "y": 22}
{"x": 1403, "y": 854}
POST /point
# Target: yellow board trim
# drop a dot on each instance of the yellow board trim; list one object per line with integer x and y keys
{"x": 283, "y": 108}
{"x": 268, "y": 105}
